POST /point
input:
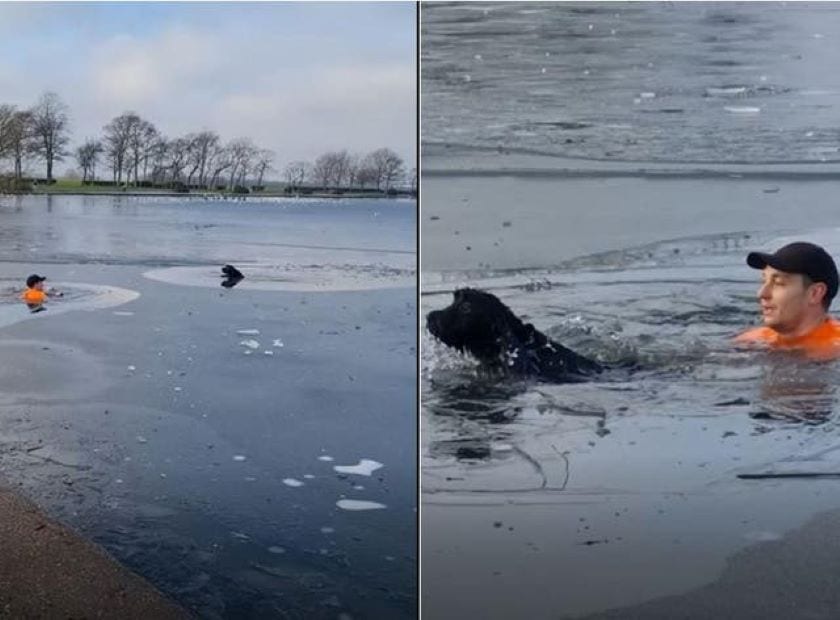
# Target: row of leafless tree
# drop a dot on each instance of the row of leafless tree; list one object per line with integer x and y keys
{"x": 133, "y": 151}
{"x": 382, "y": 169}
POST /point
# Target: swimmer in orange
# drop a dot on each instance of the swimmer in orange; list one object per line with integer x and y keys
{"x": 798, "y": 283}
{"x": 34, "y": 296}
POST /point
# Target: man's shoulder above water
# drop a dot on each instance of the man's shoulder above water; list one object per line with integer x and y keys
{"x": 823, "y": 340}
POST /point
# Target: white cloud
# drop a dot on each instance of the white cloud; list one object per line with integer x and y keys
{"x": 132, "y": 73}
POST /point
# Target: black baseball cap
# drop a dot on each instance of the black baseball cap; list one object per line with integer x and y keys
{"x": 34, "y": 279}
{"x": 801, "y": 257}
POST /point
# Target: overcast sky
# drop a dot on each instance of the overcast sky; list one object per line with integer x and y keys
{"x": 298, "y": 78}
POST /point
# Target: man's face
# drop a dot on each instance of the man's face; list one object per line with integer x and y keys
{"x": 786, "y": 299}
{"x": 38, "y": 286}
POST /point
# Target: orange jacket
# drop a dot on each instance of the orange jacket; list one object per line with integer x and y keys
{"x": 34, "y": 296}
{"x": 822, "y": 342}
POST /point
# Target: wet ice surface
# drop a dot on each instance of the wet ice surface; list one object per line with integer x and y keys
{"x": 153, "y": 435}
{"x": 686, "y": 82}
{"x": 350, "y": 276}
{"x": 578, "y": 481}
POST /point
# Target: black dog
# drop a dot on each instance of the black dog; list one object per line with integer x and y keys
{"x": 232, "y": 276}
{"x": 229, "y": 271}
{"x": 480, "y": 324}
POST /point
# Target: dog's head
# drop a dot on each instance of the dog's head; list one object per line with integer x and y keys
{"x": 480, "y": 324}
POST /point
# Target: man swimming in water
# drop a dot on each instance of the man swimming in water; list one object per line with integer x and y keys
{"x": 34, "y": 296}
{"x": 798, "y": 284}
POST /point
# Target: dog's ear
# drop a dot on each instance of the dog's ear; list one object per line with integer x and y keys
{"x": 534, "y": 336}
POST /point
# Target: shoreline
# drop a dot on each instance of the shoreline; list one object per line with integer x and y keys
{"x": 214, "y": 195}
{"x": 50, "y": 569}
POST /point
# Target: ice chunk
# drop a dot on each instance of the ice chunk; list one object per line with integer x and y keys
{"x": 291, "y": 482}
{"x": 358, "y": 504}
{"x": 325, "y": 458}
{"x": 248, "y": 332}
{"x": 250, "y": 343}
{"x": 239, "y": 457}
{"x": 266, "y": 352}
{"x": 141, "y": 439}
{"x": 277, "y": 342}
{"x": 365, "y": 467}
{"x": 276, "y": 549}
{"x": 742, "y": 109}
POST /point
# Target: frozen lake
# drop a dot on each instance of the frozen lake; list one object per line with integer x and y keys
{"x": 194, "y": 430}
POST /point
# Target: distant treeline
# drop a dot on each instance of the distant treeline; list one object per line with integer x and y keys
{"x": 132, "y": 152}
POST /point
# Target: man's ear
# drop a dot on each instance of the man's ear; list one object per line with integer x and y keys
{"x": 817, "y": 292}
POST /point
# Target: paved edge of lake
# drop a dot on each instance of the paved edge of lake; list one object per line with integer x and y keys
{"x": 49, "y": 570}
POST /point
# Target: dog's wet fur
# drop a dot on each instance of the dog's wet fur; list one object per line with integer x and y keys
{"x": 478, "y": 323}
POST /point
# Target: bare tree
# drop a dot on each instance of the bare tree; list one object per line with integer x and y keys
{"x": 158, "y": 154}
{"x": 386, "y": 167}
{"x": 342, "y": 165}
{"x": 366, "y": 173}
{"x": 86, "y": 155}
{"x": 295, "y": 174}
{"x": 50, "y": 122}
{"x": 140, "y": 135}
{"x": 118, "y": 139}
{"x": 7, "y": 129}
{"x": 203, "y": 147}
{"x": 20, "y": 140}
{"x": 178, "y": 150}
{"x": 150, "y": 141}
{"x": 332, "y": 169}
{"x": 323, "y": 170}
{"x": 219, "y": 160}
{"x": 265, "y": 157}
{"x": 242, "y": 154}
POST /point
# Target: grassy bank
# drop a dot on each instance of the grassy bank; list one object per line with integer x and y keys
{"x": 75, "y": 187}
